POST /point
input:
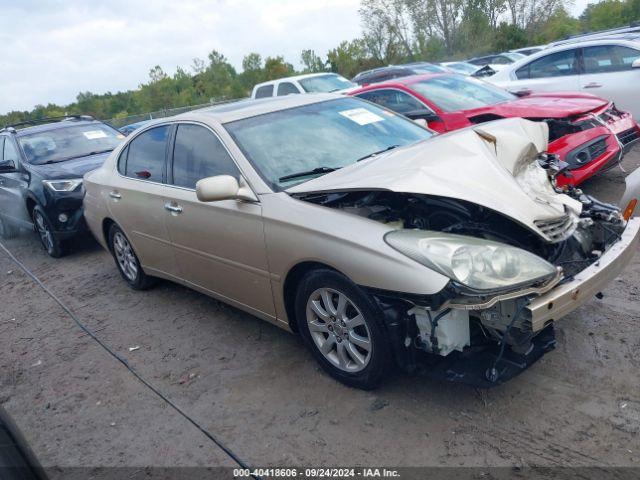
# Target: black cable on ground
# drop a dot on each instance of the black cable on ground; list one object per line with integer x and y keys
{"x": 122, "y": 360}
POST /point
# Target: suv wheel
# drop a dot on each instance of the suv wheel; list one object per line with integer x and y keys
{"x": 343, "y": 328}
{"x": 44, "y": 229}
{"x": 127, "y": 260}
{"x": 7, "y": 230}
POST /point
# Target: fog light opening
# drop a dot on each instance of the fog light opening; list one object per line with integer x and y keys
{"x": 62, "y": 218}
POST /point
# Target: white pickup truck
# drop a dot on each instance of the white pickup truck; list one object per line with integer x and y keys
{"x": 309, "y": 83}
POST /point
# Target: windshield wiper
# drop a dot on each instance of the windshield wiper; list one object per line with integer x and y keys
{"x": 307, "y": 173}
{"x": 97, "y": 152}
{"x": 391, "y": 147}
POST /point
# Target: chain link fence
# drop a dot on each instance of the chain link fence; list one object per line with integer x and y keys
{"x": 168, "y": 112}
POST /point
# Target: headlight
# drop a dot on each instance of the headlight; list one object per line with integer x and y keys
{"x": 63, "y": 185}
{"x": 477, "y": 263}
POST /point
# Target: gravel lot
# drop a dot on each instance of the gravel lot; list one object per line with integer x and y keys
{"x": 256, "y": 387}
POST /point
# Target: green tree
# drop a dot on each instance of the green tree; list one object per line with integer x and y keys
{"x": 312, "y": 63}
{"x": 276, "y": 67}
{"x": 509, "y": 36}
{"x": 252, "y": 71}
{"x": 606, "y": 14}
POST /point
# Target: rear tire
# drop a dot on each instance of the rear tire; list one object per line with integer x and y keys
{"x": 44, "y": 229}
{"x": 7, "y": 230}
{"x": 343, "y": 328}
{"x": 127, "y": 261}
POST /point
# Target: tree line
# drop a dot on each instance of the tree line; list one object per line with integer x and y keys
{"x": 394, "y": 31}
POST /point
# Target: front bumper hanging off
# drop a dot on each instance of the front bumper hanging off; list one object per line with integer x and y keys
{"x": 568, "y": 296}
{"x": 470, "y": 366}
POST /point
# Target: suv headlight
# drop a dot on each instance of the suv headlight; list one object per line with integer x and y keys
{"x": 66, "y": 185}
{"x": 476, "y": 263}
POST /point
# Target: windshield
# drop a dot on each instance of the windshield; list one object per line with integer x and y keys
{"x": 323, "y": 137}
{"x": 66, "y": 143}
{"x": 427, "y": 68}
{"x": 325, "y": 83}
{"x": 462, "y": 67}
{"x": 514, "y": 56}
{"x": 454, "y": 92}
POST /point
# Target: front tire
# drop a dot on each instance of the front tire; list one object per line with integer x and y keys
{"x": 343, "y": 328}
{"x": 127, "y": 260}
{"x": 44, "y": 229}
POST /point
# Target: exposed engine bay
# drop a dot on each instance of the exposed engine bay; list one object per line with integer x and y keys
{"x": 455, "y": 321}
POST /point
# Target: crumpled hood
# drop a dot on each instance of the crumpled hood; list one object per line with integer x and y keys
{"x": 493, "y": 165}
{"x": 550, "y": 105}
{"x": 75, "y": 168}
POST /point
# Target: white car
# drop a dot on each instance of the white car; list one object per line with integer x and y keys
{"x": 607, "y": 68}
{"x": 309, "y": 83}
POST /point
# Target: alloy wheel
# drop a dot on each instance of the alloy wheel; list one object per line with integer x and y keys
{"x": 42, "y": 227}
{"x": 339, "y": 330}
{"x": 125, "y": 257}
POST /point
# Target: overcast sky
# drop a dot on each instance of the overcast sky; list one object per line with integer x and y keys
{"x": 53, "y": 49}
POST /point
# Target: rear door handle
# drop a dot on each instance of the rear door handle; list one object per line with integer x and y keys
{"x": 115, "y": 195}
{"x": 593, "y": 85}
{"x": 177, "y": 209}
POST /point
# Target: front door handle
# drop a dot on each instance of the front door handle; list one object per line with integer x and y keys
{"x": 175, "y": 209}
{"x": 593, "y": 85}
{"x": 115, "y": 195}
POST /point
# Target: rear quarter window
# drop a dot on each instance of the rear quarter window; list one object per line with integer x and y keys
{"x": 146, "y": 154}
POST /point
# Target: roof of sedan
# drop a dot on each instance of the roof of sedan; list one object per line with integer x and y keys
{"x": 408, "y": 80}
{"x": 239, "y": 110}
{"x": 31, "y": 129}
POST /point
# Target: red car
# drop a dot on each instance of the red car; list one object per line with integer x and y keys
{"x": 587, "y": 132}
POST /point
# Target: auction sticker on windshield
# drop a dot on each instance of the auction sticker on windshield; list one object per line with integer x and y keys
{"x": 361, "y": 116}
{"x": 95, "y": 134}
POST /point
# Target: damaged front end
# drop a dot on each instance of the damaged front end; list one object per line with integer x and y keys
{"x": 509, "y": 281}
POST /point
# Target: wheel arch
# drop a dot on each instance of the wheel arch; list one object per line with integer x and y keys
{"x": 106, "y": 226}
{"x": 291, "y": 282}
{"x": 31, "y": 203}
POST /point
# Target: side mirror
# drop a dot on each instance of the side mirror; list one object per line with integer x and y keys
{"x": 636, "y": 63}
{"x": 8, "y": 166}
{"x": 224, "y": 187}
{"x": 426, "y": 115}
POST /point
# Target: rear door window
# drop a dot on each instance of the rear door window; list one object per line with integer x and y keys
{"x": 609, "y": 58}
{"x": 147, "y": 153}
{"x": 264, "y": 91}
{"x": 555, "y": 65}
{"x": 198, "y": 154}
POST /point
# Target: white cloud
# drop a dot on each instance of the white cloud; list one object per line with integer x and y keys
{"x": 53, "y": 50}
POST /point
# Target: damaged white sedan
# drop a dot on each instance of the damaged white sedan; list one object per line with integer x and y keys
{"x": 382, "y": 245}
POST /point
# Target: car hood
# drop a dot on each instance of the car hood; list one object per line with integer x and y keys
{"x": 75, "y": 168}
{"x": 560, "y": 105}
{"x": 493, "y": 165}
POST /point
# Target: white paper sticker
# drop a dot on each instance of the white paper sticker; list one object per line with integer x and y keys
{"x": 95, "y": 134}
{"x": 361, "y": 116}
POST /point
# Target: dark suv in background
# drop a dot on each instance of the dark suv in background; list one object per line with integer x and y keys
{"x": 41, "y": 168}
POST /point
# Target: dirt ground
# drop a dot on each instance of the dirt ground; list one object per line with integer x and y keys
{"x": 257, "y": 388}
